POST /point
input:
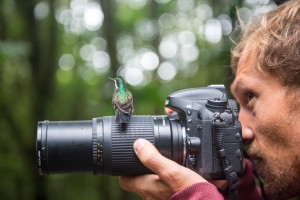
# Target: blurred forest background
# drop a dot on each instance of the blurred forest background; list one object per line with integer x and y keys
{"x": 56, "y": 57}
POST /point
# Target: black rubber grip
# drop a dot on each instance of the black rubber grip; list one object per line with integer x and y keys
{"x": 124, "y": 160}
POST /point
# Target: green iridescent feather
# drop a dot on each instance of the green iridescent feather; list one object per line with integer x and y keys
{"x": 122, "y": 100}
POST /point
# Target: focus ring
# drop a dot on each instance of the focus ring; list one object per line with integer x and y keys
{"x": 124, "y": 160}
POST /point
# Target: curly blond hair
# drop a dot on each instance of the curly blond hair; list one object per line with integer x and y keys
{"x": 276, "y": 39}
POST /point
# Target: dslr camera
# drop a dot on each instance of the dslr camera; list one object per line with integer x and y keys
{"x": 203, "y": 134}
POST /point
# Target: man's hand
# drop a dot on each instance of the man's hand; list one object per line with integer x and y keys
{"x": 169, "y": 176}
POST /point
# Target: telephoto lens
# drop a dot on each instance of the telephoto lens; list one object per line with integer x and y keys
{"x": 105, "y": 147}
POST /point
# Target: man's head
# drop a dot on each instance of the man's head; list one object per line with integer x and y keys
{"x": 267, "y": 86}
{"x": 276, "y": 36}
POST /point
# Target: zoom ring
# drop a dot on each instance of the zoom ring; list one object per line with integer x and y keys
{"x": 124, "y": 160}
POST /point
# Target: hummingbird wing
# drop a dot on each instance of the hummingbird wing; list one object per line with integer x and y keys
{"x": 123, "y": 110}
{"x": 126, "y": 107}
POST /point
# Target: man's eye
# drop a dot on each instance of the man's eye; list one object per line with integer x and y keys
{"x": 249, "y": 96}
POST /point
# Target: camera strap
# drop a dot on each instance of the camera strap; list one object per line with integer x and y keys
{"x": 230, "y": 173}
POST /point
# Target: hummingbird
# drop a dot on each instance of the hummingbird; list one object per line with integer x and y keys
{"x": 122, "y": 100}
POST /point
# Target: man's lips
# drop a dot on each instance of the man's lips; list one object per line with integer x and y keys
{"x": 254, "y": 152}
{"x": 255, "y": 157}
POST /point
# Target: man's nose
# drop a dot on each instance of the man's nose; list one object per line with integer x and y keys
{"x": 246, "y": 122}
{"x": 247, "y": 134}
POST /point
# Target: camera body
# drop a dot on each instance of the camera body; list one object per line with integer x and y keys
{"x": 197, "y": 109}
{"x": 202, "y": 134}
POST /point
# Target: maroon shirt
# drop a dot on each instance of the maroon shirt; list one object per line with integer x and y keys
{"x": 248, "y": 190}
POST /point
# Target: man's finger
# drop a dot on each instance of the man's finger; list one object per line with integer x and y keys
{"x": 169, "y": 111}
{"x": 148, "y": 186}
{"x": 150, "y": 157}
{"x": 136, "y": 183}
{"x": 168, "y": 170}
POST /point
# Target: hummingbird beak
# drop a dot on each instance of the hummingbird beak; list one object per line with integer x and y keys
{"x": 111, "y": 79}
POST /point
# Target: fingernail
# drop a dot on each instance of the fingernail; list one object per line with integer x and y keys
{"x": 138, "y": 144}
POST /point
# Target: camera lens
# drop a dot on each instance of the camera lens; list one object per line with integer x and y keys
{"x": 64, "y": 146}
{"x": 103, "y": 146}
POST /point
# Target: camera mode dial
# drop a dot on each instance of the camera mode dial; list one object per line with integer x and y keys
{"x": 216, "y": 104}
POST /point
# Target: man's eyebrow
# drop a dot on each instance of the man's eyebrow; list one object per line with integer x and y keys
{"x": 239, "y": 85}
{"x": 234, "y": 86}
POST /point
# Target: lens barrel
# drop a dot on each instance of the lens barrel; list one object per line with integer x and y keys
{"x": 105, "y": 147}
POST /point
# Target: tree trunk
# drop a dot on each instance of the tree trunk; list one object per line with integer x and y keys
{"x": 110, "y": 33}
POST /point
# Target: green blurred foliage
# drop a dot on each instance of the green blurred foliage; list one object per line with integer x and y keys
{"x": 37, "y": 84}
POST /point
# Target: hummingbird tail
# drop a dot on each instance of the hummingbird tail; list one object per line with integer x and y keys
{"x": 122, "y": 117}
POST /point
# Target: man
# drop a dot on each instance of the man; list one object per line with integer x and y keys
{"x": 267, "y": 86}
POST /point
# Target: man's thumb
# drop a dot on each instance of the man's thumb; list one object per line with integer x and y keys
{"x": 150, "y": 157}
